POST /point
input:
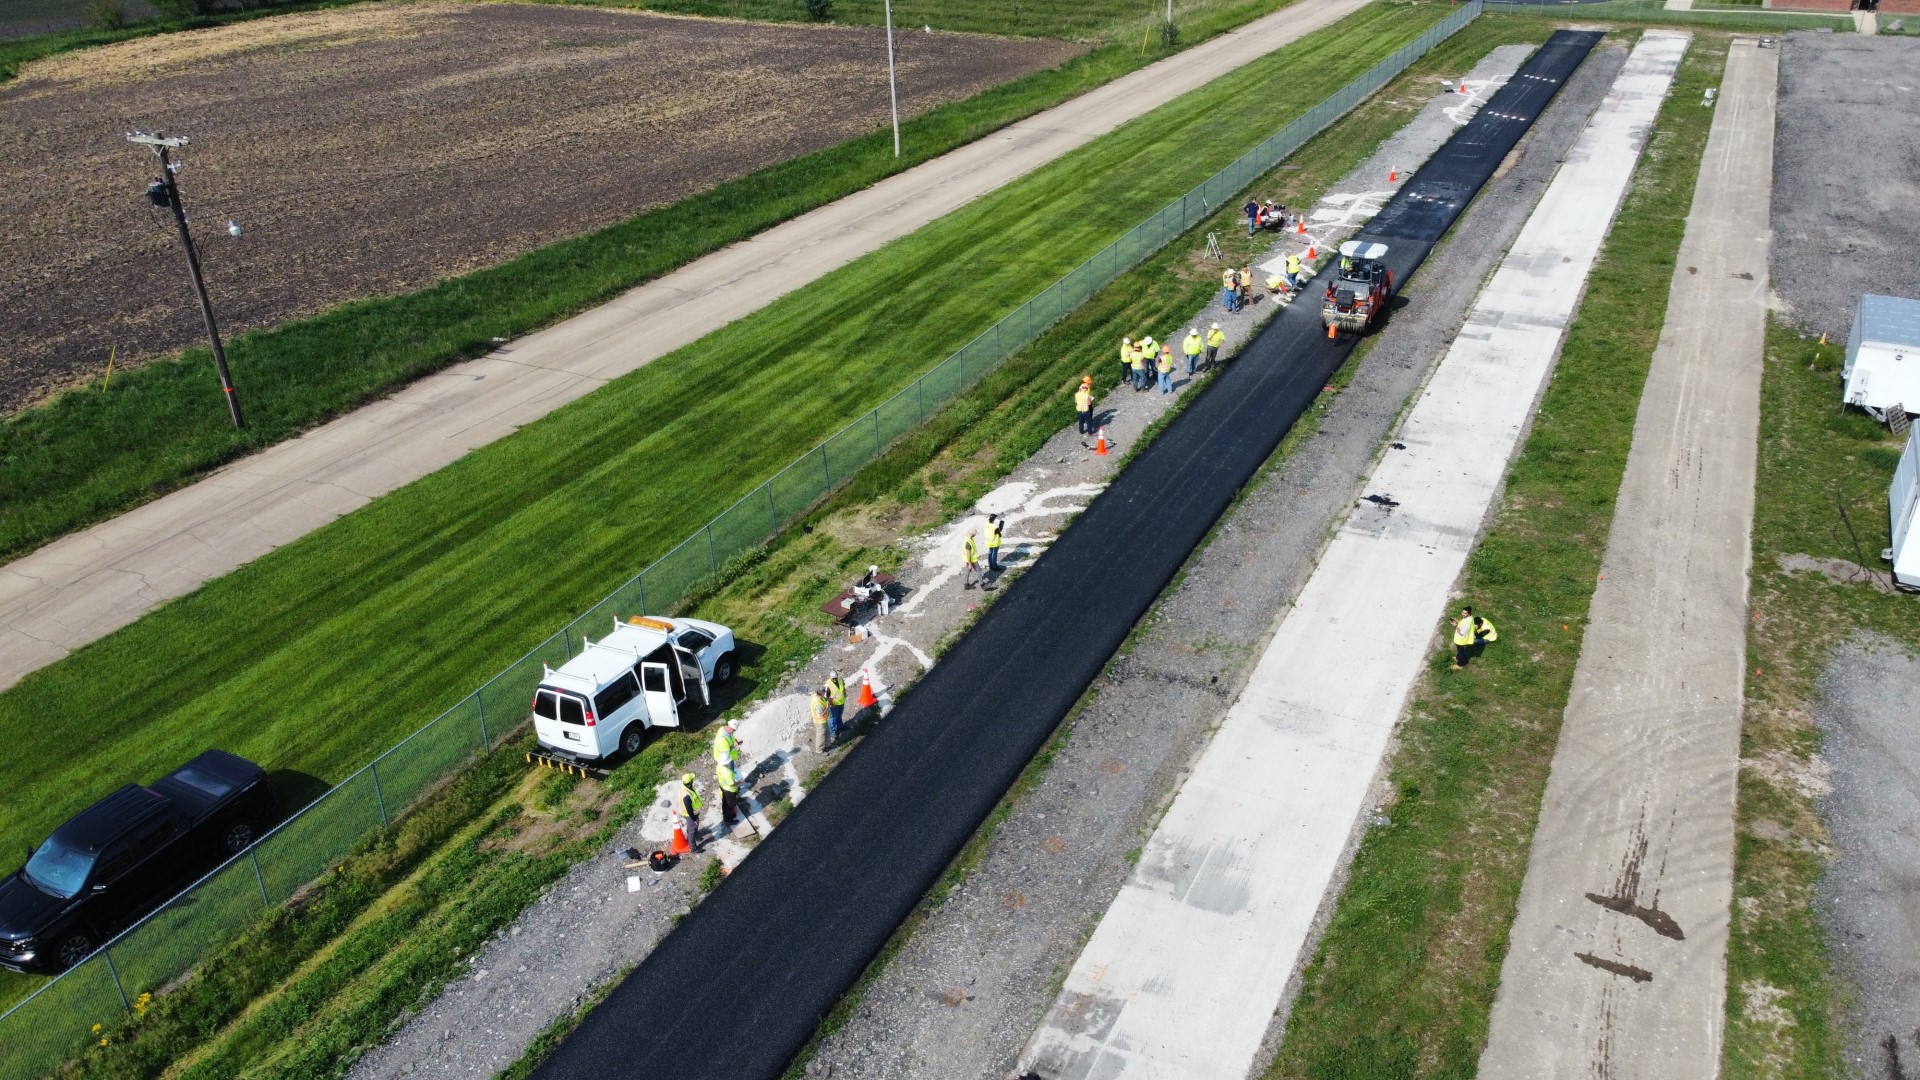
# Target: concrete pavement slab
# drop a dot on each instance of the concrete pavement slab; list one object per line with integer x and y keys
{"x": 1187, "y": 968}
{"x": 388, "y": 444}
{"x": 1616, "y": 965}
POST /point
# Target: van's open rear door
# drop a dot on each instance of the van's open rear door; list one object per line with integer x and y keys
{"x": 656, "y": 685}
{"x": 690, "y": 667}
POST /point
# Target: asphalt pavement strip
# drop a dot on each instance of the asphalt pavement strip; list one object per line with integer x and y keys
{"x": 1187, "y": 968}
{"x": 741, "y": 984}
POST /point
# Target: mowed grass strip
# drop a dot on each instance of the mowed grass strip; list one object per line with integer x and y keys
{"x": 1784, "y": 997}
{"x": 241, "y": 1008}
{"x": 326, "y": 651}
{"x": 1403, "y": 981}
{"x": 92, "y": 453}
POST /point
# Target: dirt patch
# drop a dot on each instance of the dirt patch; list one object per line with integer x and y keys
{"x": 1838, "y": 571}
{"x": 375, "y": 149}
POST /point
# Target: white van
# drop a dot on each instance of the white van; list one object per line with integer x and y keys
{"x": 637, "y": 677}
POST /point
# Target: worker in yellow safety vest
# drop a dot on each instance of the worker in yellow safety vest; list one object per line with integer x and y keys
{"x": 1230, "y": 290}
{"x": 1083, "y": 404}
{"x": 995, "y": 527}
{"x": 1215, "y": 339}
{"x": 970, "y": 551}
{"x": 836, "y": 688}
{"x": 726, "y": 745}
{"x": 1293, "y": 270}
{"x": 1165, "y": 368}
{"x": 1470, "y": 636}
{"x": 1140, "y": 352}
{"x": 729, "y": 783}
{"x": 821, "y": 715}
{"x": 1192, "y": 347}
{"x": 1126, "y": 359}
{"x": 687, "y": 805}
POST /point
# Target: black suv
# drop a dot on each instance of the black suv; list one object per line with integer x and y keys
{"x": 125, "y": 855}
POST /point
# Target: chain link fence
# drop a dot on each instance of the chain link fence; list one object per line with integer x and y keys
{"x": 57, "y": 1020}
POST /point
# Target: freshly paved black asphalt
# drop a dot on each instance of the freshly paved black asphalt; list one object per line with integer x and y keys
{"x": 738, "y": 988}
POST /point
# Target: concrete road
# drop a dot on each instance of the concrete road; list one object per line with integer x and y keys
{"x": 1186, "y": 969}
{"x": 85, "y": 586}
{"x": 1617, "y": 961}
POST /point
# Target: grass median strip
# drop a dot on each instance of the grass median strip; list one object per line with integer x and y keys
{"x": 1404, "y": 977}
{"x": 1784, "y": 998}
{"x": 92, "y": 453}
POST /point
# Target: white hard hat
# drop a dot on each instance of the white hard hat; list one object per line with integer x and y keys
{"x": 1216, "y": 326}
{"x": 873, "y": 569}
{"x": 1193, "y": 329}
{"x": 1126, "y": 339}
{"x": 733, "y": 725}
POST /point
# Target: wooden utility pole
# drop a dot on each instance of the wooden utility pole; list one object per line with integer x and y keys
{"x": 171, "y": 188}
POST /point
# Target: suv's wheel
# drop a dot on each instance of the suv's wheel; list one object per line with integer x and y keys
{"x": 76, "y": 946}
{"x": 723, "y": 669}
{"x": 631, "y": 739}
{"x": 237, "y": 835}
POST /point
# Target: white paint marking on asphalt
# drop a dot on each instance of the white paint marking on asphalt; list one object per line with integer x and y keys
{"x": 1632, "y": 861}
{"x": 87, "y": 585}
{"x": 1186, "y": 970}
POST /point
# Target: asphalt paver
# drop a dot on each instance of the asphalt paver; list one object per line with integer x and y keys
{"x": 741, "y": 984}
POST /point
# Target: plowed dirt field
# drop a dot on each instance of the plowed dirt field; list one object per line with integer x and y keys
{"x": 375, "y": 149}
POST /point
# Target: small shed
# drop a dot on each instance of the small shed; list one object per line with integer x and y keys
{"x": 1883, "y": 356}
{"x": 1903, "y": 506}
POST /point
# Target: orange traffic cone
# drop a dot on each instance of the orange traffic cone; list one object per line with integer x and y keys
{"x": 1302, "y": 230}
{"x": 1330, "y": 331}
{"x": 1393, "y": 174}
{"x": 1312, "y": 254}
{"x": 867, "y": 700}
{"x": 680, "y": 845}
{"x": 1100, "y": 448}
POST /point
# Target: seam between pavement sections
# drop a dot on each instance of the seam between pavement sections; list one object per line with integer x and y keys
{"x": 1616, "y": 964}
{"x": 68, "y": 594}
{"x": 1185, "y": 971}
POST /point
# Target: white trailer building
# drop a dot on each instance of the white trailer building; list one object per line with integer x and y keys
{"x": 1883, "y": 356}
{"x": 1903, "y": 506}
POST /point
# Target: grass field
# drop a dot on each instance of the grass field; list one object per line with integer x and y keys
{"x": 316, "y": 656}
{"x": 89, "y": 455}
{"x": 1403, "y": 981}
{"x": 1783, "y": 996}
{"x": 387, "y": 926}
{"x": 1655, "y": 12}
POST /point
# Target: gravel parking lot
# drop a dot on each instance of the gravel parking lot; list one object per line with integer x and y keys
{"x": 1870, "y": 896}
{"x": 961, "y": 998}
{"x": 1846, "y": 176}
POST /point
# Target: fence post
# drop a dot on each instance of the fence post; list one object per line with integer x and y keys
{"x": 377, "y": 796}
{"x": 826, "y": 467}
{"x": 773, "y": 513}
{"x": 480, "y": 707}
{"x": 876, "y": 433}
{"x": 253, "y": 854}
{"x": 920, "y": 384}
{"x": 713, "y": 561}
{"x": 107, "y": 955}
{"x": 643, "y": 592}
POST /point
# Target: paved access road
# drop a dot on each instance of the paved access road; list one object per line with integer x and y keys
{"x": 87, "y": 585}
{"x": 1186, "y": 970}
{"x": 1616, "y": 966}
{"x": 764, "y": 958}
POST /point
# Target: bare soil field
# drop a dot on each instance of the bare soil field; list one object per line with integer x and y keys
{"x": 376, "y": 149}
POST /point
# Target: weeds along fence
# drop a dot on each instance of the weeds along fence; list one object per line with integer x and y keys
{"x": 1702, "y": 14}
{"x": 57, "y": 1020}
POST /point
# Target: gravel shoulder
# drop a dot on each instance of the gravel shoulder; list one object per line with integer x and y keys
{"x": 962, "y": 995}
{"x": 1846, "y": 176}
{"x": 1869, "y": 899}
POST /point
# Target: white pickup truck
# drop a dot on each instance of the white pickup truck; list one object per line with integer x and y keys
{"x": 602, "y": 701}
